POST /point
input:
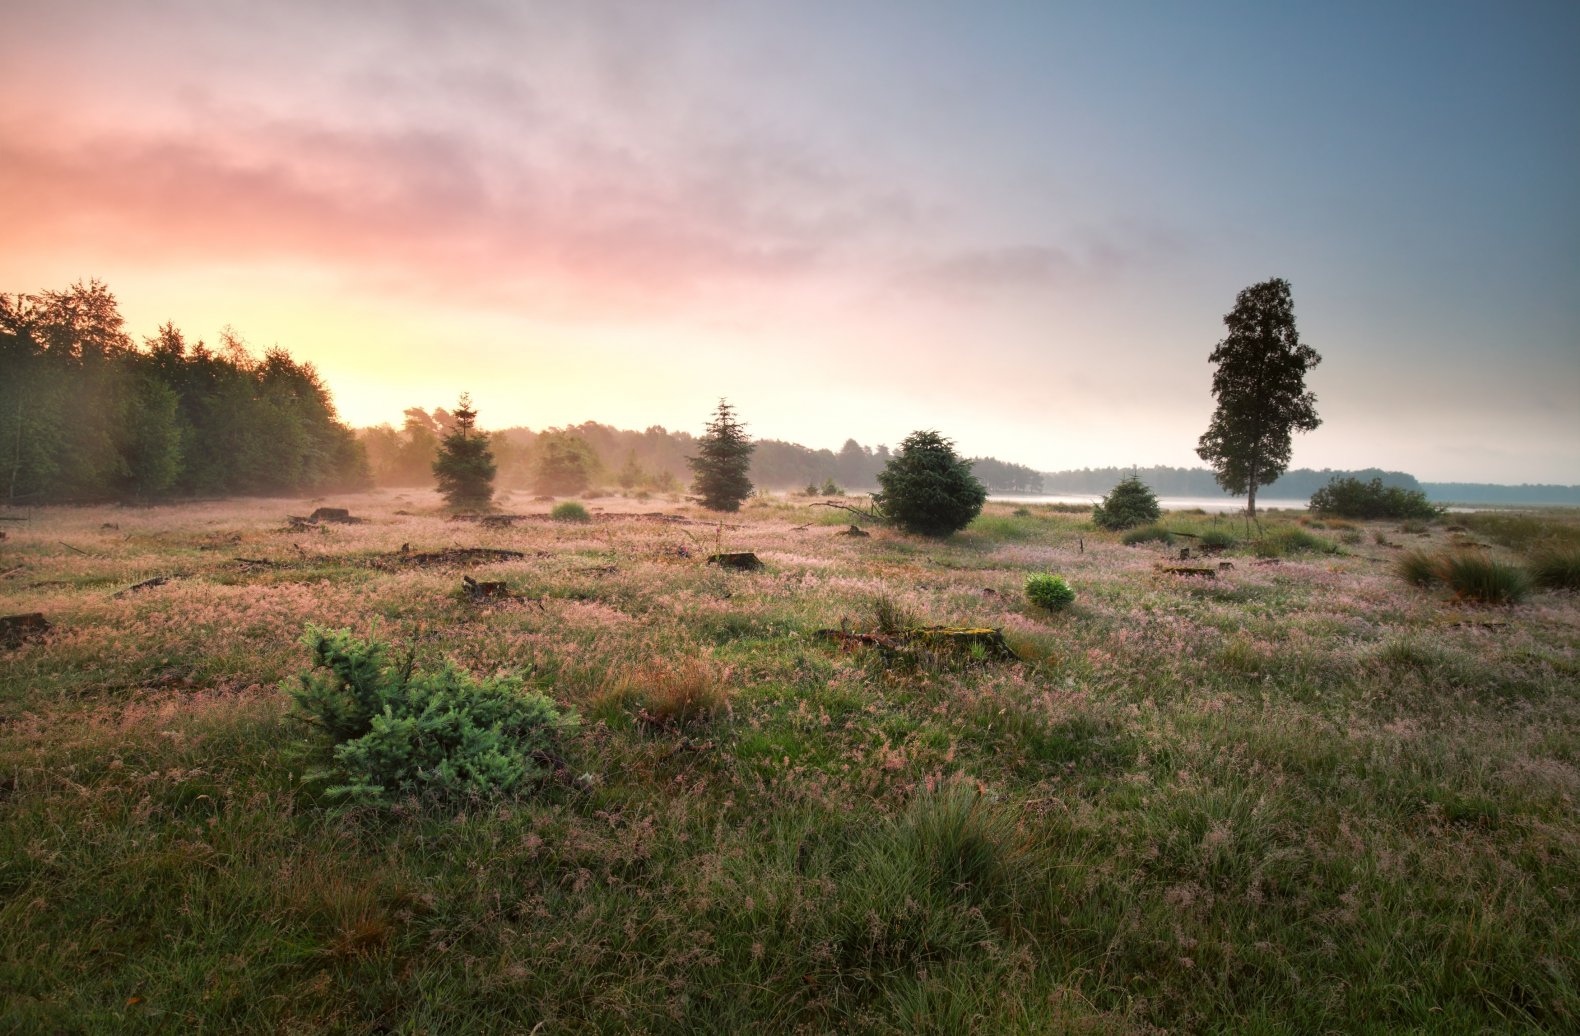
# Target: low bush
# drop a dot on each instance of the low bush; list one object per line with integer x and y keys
{"x": 1292, "y": 539}
{"x": 395, "y": 731}
{"x": 1049, "y": 591}
{"x": 1557, "y": 569}
{"x": 1147, "y": 534}
{"x": 570, "y": 511}
{"x": 1418, "y": 568}
{"x": 1475, "y": 577}
{"x": 1217, "y": 539}
{"x": 1346, "y": 497}
{"x": 1127, "y": 505}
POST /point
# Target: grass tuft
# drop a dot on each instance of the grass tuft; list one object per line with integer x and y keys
{"x": 1557, "y": 569}
{"x": 1475, "y": 577}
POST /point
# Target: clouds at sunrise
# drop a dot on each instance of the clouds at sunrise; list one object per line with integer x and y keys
{"x": 1018, "y": 223}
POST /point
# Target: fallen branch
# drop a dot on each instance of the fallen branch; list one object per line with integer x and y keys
{"x": 871, "y": 516}
{"x": 68, "y": 546}
{"x": 146, "y": 584}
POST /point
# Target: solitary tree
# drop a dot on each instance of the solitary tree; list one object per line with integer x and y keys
{"x": 1127, "y": 505}
{"x": 724, "y": 457}
{"x": 929, "y": 489}
{"x": 464, "y": 466}
{"x": 1260, "y": 385}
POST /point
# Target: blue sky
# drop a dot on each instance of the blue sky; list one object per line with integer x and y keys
{"x": 1019, "y": 223}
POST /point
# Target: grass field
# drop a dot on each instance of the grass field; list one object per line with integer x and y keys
{"x": 1303, "y": 795}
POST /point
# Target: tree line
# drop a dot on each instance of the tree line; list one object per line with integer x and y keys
{"x": 562, "y": 461}
{"x": 87, "y": 414}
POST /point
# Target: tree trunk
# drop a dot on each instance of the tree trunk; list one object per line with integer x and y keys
{"x": 1250, "y": 503}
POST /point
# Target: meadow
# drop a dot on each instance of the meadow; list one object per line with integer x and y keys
{"x": 1302, "y": 795}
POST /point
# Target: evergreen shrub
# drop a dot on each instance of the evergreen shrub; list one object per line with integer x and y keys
{"x": 1127, "y": 505}
{"x": 1049, "y": 591}
{"x": 927, "y": 488}
{"x": 570, "y": 511}
{"x": 395, "y": 731}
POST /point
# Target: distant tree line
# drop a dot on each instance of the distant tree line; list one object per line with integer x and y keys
{"x": 655, "y": 459}
{"x": 86, "y": 414}
{"x": 1166, "y": 481}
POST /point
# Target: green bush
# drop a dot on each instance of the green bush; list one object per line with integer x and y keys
{"x": 928, "y": 489}
{"x": 1557, "y": 569}
{"x": 1127, "y": 505}
{"x": 1351, "y": 498}
{"x": 1217, "y": 539}
{"x": 395, "y": 731}
{"x": 1475, "y": 577}
{"x": 1293, "y": 540}
{"x": 1049, "y": 591}
{"x": 1147, "y": 534}
{"x": 1418, "y": 568}
{"x": 570, "y": 511}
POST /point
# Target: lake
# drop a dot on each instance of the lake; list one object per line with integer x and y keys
{"x": 1210, "y": 504}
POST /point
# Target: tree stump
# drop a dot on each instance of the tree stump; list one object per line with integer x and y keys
{"x": 1188, "y": 570}
{"x": 964, "y": 639}
{"x": 332, "y": 514}
{"x": 16, "y": 630}
{"x": 857, "y": 532}
{"x": 740, "y": 561}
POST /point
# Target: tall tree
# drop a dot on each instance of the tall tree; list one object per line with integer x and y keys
{"x": 724, "y": 457}
{"x": 464, "y": 467}
{"x": 1260, "y": 385}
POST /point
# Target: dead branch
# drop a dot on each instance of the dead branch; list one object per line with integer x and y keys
{"x": 871, "y": 516}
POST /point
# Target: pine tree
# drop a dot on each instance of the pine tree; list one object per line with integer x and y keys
{"x": 724, "y": 459}
{"x": 929, "y": 489}
{"x": 464, "y": 466}
{"x": 1261, "y": 391}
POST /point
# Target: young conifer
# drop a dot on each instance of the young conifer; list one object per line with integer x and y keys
{"x": 723, "y": 459}
{"x": 464, "y": 466}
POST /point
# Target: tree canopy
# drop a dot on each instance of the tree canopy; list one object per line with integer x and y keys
{"x": 1260, "y": 386}
{"x": 86, "y": 414}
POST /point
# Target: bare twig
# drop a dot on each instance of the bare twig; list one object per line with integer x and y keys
{"x": 68, "y": 546}
{"x": 871, "y": 516}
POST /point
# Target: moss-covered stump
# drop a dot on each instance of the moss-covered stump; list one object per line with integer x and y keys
{"x": 982, "y": 640}
{"x": 740, "y": 561}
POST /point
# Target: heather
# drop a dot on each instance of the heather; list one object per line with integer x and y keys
{"x": 1303, "y": 794}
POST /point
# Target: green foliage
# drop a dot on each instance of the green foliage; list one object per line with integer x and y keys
{"x": 1147, "y": 534}
{"x": 1261, "y": 391}
{"x": 1049, "y": 591}
{"x": 399, "y": 732}
{"x": 570, "y": 511}
{"x": 464, "y": 467}
{"x": 928, "y": 489}
{"x": 1352, "y": 498}
{"x": 1473, "y": 576}
{"x": 724, "y": 457}
{"x": 86, "y": 415}
{"x": 1291, "y": 539}
{"x": 1128, "y": 504}
{"x": 831, "y": 488}
{"x": 1217, "y": 539}
{"x": 1557, "y": 569}
{"x": 565, "y": 465}
{"x": 1417, "y": 568}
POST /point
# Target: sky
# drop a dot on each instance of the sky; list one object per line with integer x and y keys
{"x": 1017, "y": 223}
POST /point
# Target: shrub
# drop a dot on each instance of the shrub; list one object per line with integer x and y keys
{"x": 1418, "y": 568}
{"x": 1557, "y": 569}
{"x": 1475, "y": 577}
{"x": 1049, "y": 591}
{"x": 928, "y": 489}
{"x": 1127, "y": 505}
{"x": 570, "y": 511}
{"x": 724, "y": 457}
{"x": 1293, "y": 540}
{"x": 676, "y": 693}
{"x": 1217, "y": 539}
{"x": 1351, "y": 498}
{"x": 1147, "y": 534}
{"x": 396, "y": 731}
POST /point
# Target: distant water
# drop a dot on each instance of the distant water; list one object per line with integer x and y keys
{"x": 1210, "y": 504}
